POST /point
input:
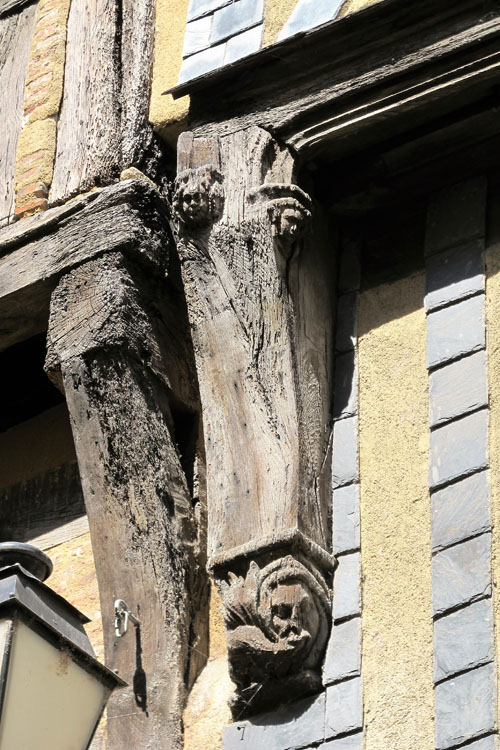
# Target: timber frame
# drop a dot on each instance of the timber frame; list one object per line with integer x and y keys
{"x": 393, "y": 96}
{"x": 361, "y": 114}
{"x": 93, "y": 274}
{"x": 358, "y": 81}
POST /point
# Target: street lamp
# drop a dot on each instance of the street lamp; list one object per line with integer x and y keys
{"x": 52, "y": 688}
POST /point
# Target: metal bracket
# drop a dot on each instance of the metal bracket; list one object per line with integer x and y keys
{"x": 122, "y": 616}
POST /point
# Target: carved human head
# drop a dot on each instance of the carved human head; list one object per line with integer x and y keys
{"x": 293, "y": 605}
{"x": 199, "y": 196}
{"x": 294, "y": 615}
{"x": 289, "y": 221}
{"x": 289, "y": 209}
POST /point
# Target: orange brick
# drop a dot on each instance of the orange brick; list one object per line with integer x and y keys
{"x": 37, "y": 189}
{"x": 45, "y": 32}
{"x": 47, "y": 55}
{"x": 34, "y": 98}
{"x": 30, "y": 174}
{"x": 45, "y": 18}
{"x": 39, "y": 204}
{"x": 51, "y": 41}
{"x": 37, "y": 83}
{"x": 31, "y": 108}
{"x": 31, "y": 158}
{"x": 48, "y": 5}
{"x": 38, "y": 68}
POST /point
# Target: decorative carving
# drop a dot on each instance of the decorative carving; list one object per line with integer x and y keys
{"x": 277, "y": 619}
{"x": 289, "y": 209}
{"x": 258, "y": 321}
{"x": 199, "y": 196}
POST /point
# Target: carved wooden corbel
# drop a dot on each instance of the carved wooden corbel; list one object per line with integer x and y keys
{"x": 260, "y": 316}
{"x": 198, "y": 197}
{"x": 289, "y": 209}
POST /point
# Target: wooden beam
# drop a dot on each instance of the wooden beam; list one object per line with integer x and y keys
{"x": 130, "y": 215}
{"x": 103, "y": 126}
{"x": 367, "y": 76}
{"x": 8, "y": 6}
{"x": 88, "y": 129}
{"x": 104, "y": 349}
{"x": 16, "y": 33}
{"x": 258, "y": 277}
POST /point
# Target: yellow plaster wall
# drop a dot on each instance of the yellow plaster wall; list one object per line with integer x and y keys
{"x": 493, "y": 328}
{"x": 397, "y": 648}
{"x": 74, "y": 578}
{"x": 276, "y": 14}
{"x": 167, "y": 115}
{"x": 351, "y": 6}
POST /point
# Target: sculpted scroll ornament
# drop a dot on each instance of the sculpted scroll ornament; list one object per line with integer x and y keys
{"x": 199, "y": 196}
{"x": 289, "y": 209}
{"x": 277, "y": 619}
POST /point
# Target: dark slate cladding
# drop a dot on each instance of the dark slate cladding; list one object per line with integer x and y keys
{"x": 218, "y": 32}
{"x": 465, "y": 699}
{"x": 334, "y": 719}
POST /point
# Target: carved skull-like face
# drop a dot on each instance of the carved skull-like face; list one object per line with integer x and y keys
{"x": 294, "y": 615}
{"x": 289, "y": 218}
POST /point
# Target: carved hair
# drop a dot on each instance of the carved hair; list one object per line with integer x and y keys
{"x": 204, "y": 183}
{"x": 250, "y": 602}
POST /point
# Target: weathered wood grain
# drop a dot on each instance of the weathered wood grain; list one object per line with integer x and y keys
{"x": 137, "y": 30}
{"x": 260, "y": 306}
{"x": 6, "y": 6}
{"x": 88, "y": 132}
{"x": 36, "y": 251}
{"x": 139, "y": 506}
{"x": 261, "y": 327}
{"x": 103, "y": 126}
{"x": 16, "y": 31}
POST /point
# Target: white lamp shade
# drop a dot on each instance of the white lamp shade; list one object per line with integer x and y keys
{"x": 48, "y": 701}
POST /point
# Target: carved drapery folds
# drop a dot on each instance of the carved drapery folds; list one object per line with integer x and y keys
{"x": 260, "y": 319}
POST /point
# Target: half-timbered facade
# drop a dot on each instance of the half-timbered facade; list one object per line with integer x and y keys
{"x": 249, "y": 285}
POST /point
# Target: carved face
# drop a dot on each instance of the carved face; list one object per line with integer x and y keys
{"x": 294, "y": 615}
{"x": 195, "y": 204}
{"x": 199, "y": 196}
{"x": 291, "y": 225}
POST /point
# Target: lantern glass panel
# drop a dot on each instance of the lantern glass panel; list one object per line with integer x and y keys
{"x": 50, "y": 702}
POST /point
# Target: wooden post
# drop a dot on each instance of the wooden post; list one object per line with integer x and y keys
{"x": 257, "y": 282}
{"x": 103, "y": 350}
